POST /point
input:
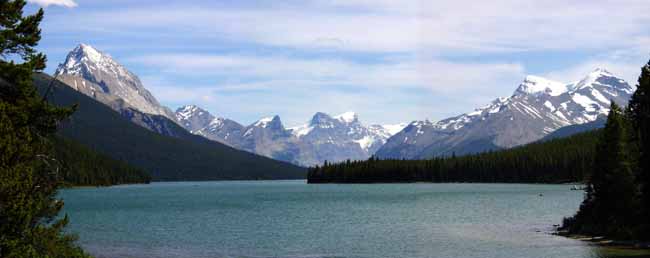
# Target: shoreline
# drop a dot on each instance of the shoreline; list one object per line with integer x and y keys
{"x": 605, "y": 242}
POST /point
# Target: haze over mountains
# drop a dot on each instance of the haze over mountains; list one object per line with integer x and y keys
{"x": 537, "y": 108}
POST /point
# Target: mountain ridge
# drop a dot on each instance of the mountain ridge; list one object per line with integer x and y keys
{"x": 323, "y": 137}
{"x": 99, "y": 76}
{"x": 182, "y": 157}
{"x": 537, "y": 107}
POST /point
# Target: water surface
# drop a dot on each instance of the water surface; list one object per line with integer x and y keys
{"x": 293, "y": 219}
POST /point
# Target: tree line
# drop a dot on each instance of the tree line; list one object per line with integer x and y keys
{"x": 555, "y": 161}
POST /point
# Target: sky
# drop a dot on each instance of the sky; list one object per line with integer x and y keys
{"x": 389, "y": 61}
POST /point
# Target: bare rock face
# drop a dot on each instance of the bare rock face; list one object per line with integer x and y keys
{"x": 536, "y": 108}
{"x": 99, "y": 76}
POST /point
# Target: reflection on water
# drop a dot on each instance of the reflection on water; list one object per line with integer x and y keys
{"x": 293, "y": 219}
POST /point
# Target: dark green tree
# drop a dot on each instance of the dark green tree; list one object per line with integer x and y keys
{"x": 639, "y": 112}
{"x": 613, "y": 181}
{"x": 555, "y": 161}
{"x": 29, "y": 176}
{"x": 610, "y": 205}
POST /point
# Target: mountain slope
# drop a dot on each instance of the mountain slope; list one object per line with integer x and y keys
{"x": 576, "y": 129}
{"x": 99, "y": 76}
{"x": 537, "y": 108}
{"x": 324, "y": 137}
{"x": 185, "y": 157}
{"x": 82, "y": 166}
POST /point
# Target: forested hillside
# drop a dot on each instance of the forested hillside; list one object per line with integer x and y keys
{"x": 165, "y": 158}
{"x": 81, "y": 166}
{"x": 575, "y": 129}
{"x": 554, "y": 161}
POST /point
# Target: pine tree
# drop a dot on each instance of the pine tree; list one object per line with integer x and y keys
{"x": 639, "y": 112}
{"x": 610, "y": 205}
{"x": 614, "y": 190}
{"x": 29, "y": 176}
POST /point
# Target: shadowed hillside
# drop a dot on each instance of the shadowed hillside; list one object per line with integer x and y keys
{"x": 185, "y": 157}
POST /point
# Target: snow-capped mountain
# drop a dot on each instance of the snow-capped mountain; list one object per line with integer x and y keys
{"x": 98, "y": 75}
{"x": 324, "y": 137}
{"x": 537, "y": 107}
{"x": 324, "y": 130}
{"x": 193, "y": 118}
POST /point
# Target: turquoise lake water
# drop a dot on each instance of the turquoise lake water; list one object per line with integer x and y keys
{"x": 294, "y": 219}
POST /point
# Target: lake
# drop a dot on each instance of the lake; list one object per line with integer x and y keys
{"x": 294, "y": 219}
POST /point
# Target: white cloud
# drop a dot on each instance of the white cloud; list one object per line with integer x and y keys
{"x": 46, "y": 3}
{"x": 385, "y": 26}
{"x": 433, "y": 74}
{"x": 391, "y": 91}
{"x": 397, "y": 60}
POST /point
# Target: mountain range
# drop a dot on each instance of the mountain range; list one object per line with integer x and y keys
{"x": 323, "y": 138}
{"x": 98, "y": 75}
{"x": 537, "y": 108}
{"x": 183, "y": 157}
{"x": 334, "y": 138}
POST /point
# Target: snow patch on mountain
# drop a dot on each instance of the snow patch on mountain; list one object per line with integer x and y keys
{"x": 538, "y": 107}
{"x": 265, "y": 122}
{"x": 302, "y": 130}
{"x": 324, "y": 137}
{"x": 347, "y": 117}
{"x": 538, "y": 85}
{"x": 186, "y": 112}
{"x": 98, "y": 75}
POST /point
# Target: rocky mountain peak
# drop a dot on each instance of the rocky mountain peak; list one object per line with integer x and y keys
{"x": 535, "y": 85}
{"x": 602, "y": 77}
{"x": 188, "y": 111}
{"x": 87, "y": 51}
{"x": 273, "y": 122}
{"x": 538, "y": 107}
{"x": 321, "y": 119}
{"x": 324, "y": 137}
{"x": 193, "y": 118}
{"x": 99, "y": 76}
{"x": 84, "y": 59}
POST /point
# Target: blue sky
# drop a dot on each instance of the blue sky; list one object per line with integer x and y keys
{"x": 389, "y": 61}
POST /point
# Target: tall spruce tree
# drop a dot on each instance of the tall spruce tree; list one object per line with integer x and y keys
{"x": 639, "y": 112}
{"x": 29, "y": 178}
{"x": 610, "y": 204}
